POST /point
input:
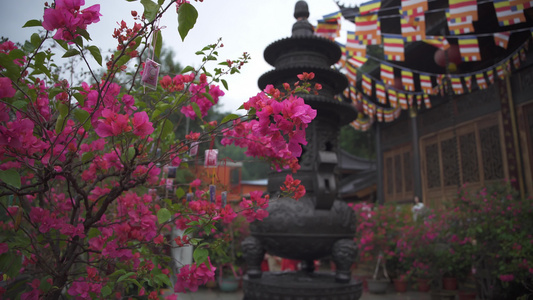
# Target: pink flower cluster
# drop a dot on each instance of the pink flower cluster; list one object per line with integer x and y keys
{"x": 292, "y": 185}
{"x": 192, "y": 276}
{"x": 278, "y": 120}
{"x": 255, "y": 208}
{"x": 67, "y": 18}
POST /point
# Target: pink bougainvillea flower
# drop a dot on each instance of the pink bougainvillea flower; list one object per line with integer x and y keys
{"x": 6, "y": 88}
{"x": 141, "y": 125}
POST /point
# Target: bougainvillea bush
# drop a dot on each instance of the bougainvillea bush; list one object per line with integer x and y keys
{"x": 82, "y": 165}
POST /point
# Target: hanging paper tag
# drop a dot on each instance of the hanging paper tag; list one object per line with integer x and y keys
{"x": 189, "y": 197}
{"x": 194, "y": 149}
{"x": 212, "y": 193}
{"x": 211, "y": 158}
{"x": 150, "y": 74}
{"x": 169, "y": 183}
{"x": 224, "y": 199}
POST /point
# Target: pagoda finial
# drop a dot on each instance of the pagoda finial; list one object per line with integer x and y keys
{"x": 302, "y": 27}
{"x": 301, "y": 10}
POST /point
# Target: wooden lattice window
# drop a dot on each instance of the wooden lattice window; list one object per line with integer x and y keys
{"x": 491, "y": 152}
{"x": 472, "y": 153}
{"x": 398, "y": 169}
{"x": 433, "y": 165}
{"x": 469, "y": 159}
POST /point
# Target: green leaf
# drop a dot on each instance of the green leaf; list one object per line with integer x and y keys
{"x": 19, "y": 104}
{"x": 125, "y": 276}
{"x": 158, "y": 43}
{"x": 106, "y": 291}
{"x": 32, "y": 23}
{"x": 93, "y": 232}
{"x": 225, "y": 84}
{"x": 200, "y": 255}
{"x": 62, "y": 43}
{"x": 163, "y": 215}
{"x": 130, "y": 153}
{"x": 10, "y": 264}
{"x": 63, "y": 110}
{"x": 208, "y": 96}
{"x": 80, "y": 98}
{"x": 150, "y": 9}
{"x": 11, "y": 177}
{"x": 187, "y": 69}
{"x": 12, "y": 70}
{"x": 35, "y": 40}
{"x": 82, "y": 116}
{"x": 122, "y": 61}
{"x": 71, "y": 52}
{"x": 168, "y": 127}
{"x": 85, "y": 157}
{"x": 160, "y": 2}
{"x": 60, "y": 124}
{"x": 196, "y": 109}
{"x": 180, "y": 193}
{"x": 156, "y": 113}
{"x": 187, "y": 16}
{"x": 229, "y": 117}
{"x": 95, "y": 52}
{"x": 164, "y": 278}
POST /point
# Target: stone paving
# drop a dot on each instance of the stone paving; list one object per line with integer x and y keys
{"x": 215, "y": 294}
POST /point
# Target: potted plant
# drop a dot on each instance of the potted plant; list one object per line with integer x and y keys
{"x": 497, "y": 225}
{"x": 378, "y": 231}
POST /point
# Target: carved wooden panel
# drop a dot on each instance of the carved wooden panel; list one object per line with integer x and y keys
{"x": 469, "y": 157}
{"x": 398, "y": 174}
{"x": 450, "y": 170}
{"x": 433, "y": 165}
{"x": 491, "y": 153}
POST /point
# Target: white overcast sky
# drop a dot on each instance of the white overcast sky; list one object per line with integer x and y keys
{"x": 244, "y": 26}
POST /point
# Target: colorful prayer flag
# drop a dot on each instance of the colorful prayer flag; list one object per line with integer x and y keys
{"x": 368, "y": 30}
{"x": 408, "y": 82}
{"x": 379, "y": 113}
{"x": 460, "y": 25}
{"x": 342, "y": 61}
{"x": 437, "y": 41}
{"x": 367, "y": 85}
{"x": 419, "y": 100}
{"x": 521, "y": 4}
{"x": 353, "y": 46}
{"x": 415, "y": 6}
{"x": 393, "y": 98}
{"x": 463, "y": 8}
{"x": 457, "y": 85}
{"x": 425, "y": 84}
{"x": 357, "y": 61}
{"x": 351, "y": 74}
{"x": 413, "y": 26}
{"x": 333, "y": 16}
{"x": 403, "y": 101}
{"x": 469, "y": 48}
{"x": 387, "y": 74}
{"x": 502, "y": 39}
{"x": 490, "y": 76}
{"x": 468, "y": 83}
{"x": 381, "y": 95}
{"x": 328, "y": 30}
{"x": 427, "y": 102}
{"x": 393, "y": 47}
{"x": 516, "y": 60}
{"x": 370, "y": 6}
{"x": 507, "y": 14}
{"x": 481, "y": 82}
